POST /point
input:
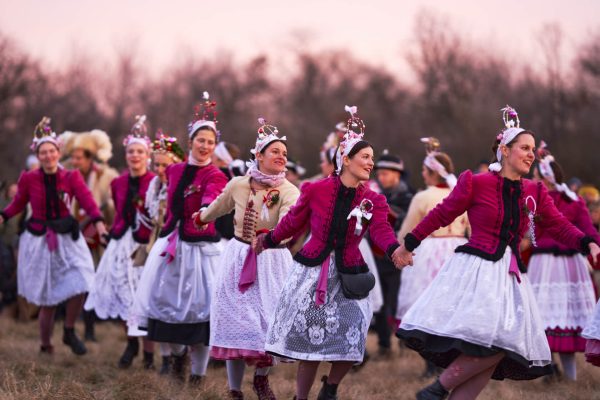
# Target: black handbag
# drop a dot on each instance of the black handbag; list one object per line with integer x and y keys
{"x": 357, "y": 286}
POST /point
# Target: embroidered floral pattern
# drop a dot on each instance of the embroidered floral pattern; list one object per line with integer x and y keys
{"x": 271, "y": 198}
{"x": 191, "y": 189}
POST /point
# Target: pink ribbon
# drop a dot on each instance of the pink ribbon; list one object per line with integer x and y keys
{"x": 51, "y": 239}
{"x": 514, "y": 267}
{"x": 171, "y": 248}
{"x": 248, "y": 275}
{"x": 321, "y": 291}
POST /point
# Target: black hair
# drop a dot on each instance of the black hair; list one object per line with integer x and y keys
{"x": 363, "y": 144}
{"x": 203, "y": 128}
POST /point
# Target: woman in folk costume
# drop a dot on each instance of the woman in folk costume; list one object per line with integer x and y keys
{"x": 54, "y": 262}
{"x": 117, "y": 276}
{"x": 174, "y": 294}
{"x": 248, "y": 286}
{"x": 323, "y": 313}
{"x": 479, "y": 318}
{"x": 438, "y": 175}
{"x": 558, "y": 273}
{"x": 165, "y": 151}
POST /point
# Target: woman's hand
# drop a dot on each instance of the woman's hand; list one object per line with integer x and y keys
{"x": 594, "y": 252}
{"x": 197, "y": 219}
{"x": 102, "y": 232}
{"x": 258, "y": 243}
{"x": 402, "y": 257}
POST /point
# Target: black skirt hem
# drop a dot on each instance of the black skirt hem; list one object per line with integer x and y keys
{"x": 442, "y": 350}
{"x": 187, "y": 334}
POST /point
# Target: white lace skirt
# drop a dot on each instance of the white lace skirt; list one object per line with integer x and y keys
{"x": 477, "y": 301}
{"x": 592, "y": 326}
{"x": 335, "y": 331}
{"x": 375, "y": 295}
{"x": 48, "y": 278}
{"x": 240, "y": 320}
{"x": 429, "y": 258}
{"x": 563, "y": 289}
{"x": 178, "y": 292}
{"x": 116, "y": 279}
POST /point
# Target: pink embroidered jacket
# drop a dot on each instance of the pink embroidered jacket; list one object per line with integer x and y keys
{"x": 325, "y": 205}
{"x": 577, "y": 213}
{"x": 129, "y": 194}
{"x": 191, "y": 188}
{"x": 50, "y": 196}
{"x": 498, "y": 214}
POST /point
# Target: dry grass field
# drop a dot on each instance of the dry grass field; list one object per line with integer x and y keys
{"x": 25, "y": 374}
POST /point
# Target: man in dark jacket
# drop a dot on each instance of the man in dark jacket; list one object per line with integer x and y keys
{"x": 389, "y": 169}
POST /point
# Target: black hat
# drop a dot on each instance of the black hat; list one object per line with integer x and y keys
{"x": 389, "y": 161}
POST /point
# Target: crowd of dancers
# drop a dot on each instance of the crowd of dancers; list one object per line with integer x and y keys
{"x": 213, "y": 257}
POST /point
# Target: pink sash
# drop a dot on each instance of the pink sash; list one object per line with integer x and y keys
{"x": 171, "y": 248}
{"x": 321, "y": 291}
{"x": 51, "y": 239}
{"x": 248, "y": 275}
{"x": 514, "y": 267}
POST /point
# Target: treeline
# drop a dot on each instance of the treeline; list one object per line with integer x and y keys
{"x": 455, "y": 90}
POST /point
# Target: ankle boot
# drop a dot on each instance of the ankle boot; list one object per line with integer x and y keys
{"x": 148, "y": 360}
{"x": 165, "y": 368}
{"x": 435, "y": 391}
{"x": 236, "y": 395}
{"x": 46, "y": 349}
{"x": 71, "y": 340}
{"x": 262, "y": 389}
{"x": 328, "y": 391}
{"x": 89, "y": 318}
{"x": 196, "y": 380}
{"x": 131, "y": 351}
{"x": 179, "y": 365}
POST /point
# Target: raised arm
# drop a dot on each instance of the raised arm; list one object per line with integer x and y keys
{"x": 222, "y": 205}
{"x": 380, "y": 230}
{"x": 584, "y": 222}
{"x": 215, "y": 185}
{"x": 294, "y": 220}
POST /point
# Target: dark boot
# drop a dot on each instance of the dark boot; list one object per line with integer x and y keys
{"x": 262, "y": 389}
{"x": 435, "y": 391}
{"x": 179, "y": 365}
{"x": 165, "y": 368}
{"x": 430, "y": 370}
{"x": 328, "y": 391}
{"x": 89, "y": 318}
{"x": 148, "y": 360}
{"x": 236, "y": 395}
{"x": 195, "y": 380}
{"x": 131, "y": 351}
{"x": 47, "y": 349}
{"x": 71, "y": 340}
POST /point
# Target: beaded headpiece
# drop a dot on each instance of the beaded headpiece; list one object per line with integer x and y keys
{"x": 432, "y": 148}
{"x": 43, "y": 133}
{"x": 512, "y": 125}
{"x": 138, "y": 133}
{"x": 545, "y": 159}
{"x": 355, "y": 133}
{"x": 205, "y": 116}
{"x": 164, "y": 144}
{"x": 266, "y": 134}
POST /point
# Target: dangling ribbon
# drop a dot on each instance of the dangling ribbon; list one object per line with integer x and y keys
{"x": 531, "y": 216}
{"x": 514, "y": 267}
{"x": 321, "y": 290}
{"x": 171, "y": 248}
{"x": 51, "y": 239}
{"x": 248, "y": 274}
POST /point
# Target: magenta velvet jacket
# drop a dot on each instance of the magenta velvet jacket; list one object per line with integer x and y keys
{"x": 50, "y": 197}
{"x": 325, "y": 205}
{"x": 498, "y": 216}
{"x": 577, "y": 213}
{"x": 129, "y": 194}
{"x": 191, "y": 188}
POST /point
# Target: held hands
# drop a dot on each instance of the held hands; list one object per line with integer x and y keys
{"x": 197, "y": 219}
{"x": 402, "y": 257}
{"x": 102, "y": 232}
{"x": 258, "y": 243}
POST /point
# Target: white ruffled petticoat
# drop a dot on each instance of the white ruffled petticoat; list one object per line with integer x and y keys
{"x": 48, "y": 278}
{"x": 335, "y": 331}
{"x": 375, "y": 295}
{"x": 592, "y": 326}
{"x": 429, "y": 258}
{"x": 178, "y": 292}
{"x": 479, "y": 302}
{"x": 240, "y": 320}
{"x": 563, "y": 289}
{"x": 116, "y": 279}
